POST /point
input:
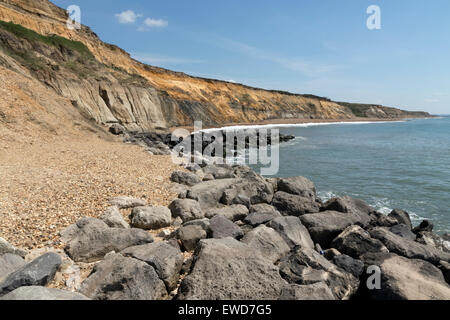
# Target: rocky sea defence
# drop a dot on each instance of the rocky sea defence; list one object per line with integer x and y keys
{"x": 231, "y": 235}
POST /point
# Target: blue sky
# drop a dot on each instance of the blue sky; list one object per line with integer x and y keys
{"x": 321, "y": 47}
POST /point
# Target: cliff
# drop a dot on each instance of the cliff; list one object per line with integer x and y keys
{"x": 105, "y": 84}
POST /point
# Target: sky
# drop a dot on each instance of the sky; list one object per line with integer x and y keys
{"x": 320, "y": 47}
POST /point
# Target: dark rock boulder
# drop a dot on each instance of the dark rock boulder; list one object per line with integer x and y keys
{"x": 38, "y": 272}
{"x": 113, "y": 218}
{"x": 150, "y": 218}
{"x": 92, "y": 239}
{"x": 226, "y": 269}
{"x": 292, "y": 231}
{"x": 262, "y": 207}
{"x": 299, "y": 186}
{"x": 257, "y": 218}
{"x": 433, "y": 240}
{"x": 221, "y": 227}
{"x": 402, "y": 217}
{"x": 268, "y": 242}
{"x": 355, "y": 241}
{"x": 209, "y": 193}
{"x": 203, "y": 223}
{"x": 163, "y": 257}
{"x": 381, "y": 220}
{"x": 425, "y": 225}
{"x": 220, "y": 171}
{"x": 355, "y": 207}
{"x": 186, "y": 178}
{"x": 404, "y": 231}
{"x": 186, "y": 209}
{"x": 445, "y": 268}
{"x": 316, "y": 291}
{"x": 190, "y": 236}
{"x": 294, "y": 205}
{"x": 10, "y": 263}
{"x": 122, "y": 278}
{"x": 347, "y": 263}
{"x": 325, "y": 226}
{"x": 234, "y": 212}
{"x": 253, "y": 187}
{"x": 36, "y": 293}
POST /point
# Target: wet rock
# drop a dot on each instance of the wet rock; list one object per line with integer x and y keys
{"x": 234, "y": 212}
{"x": 122, "y": 278}
{"x": 38, "y": 272}
{"x": 186, "y": 209}
{"x": 35, "y": 293}
{"x": 93, "y": 239}
{"x": 268, "y": 242}
{"x": 316, "y": 291}
{"x": 113, "y": 218}
{"x": 347, "y": 263}
{"x": 163, "y": 257}
{"x": 10, "y": 263}
{"x": 402, "y": 217}
{"x": 221, "y": 227}
{"x": 226, "y": 269}
{"x": 186, "y": 178}
{"x": 292, "y": 231}
{"x": 126, "y": 202}
{"x": 150, "y": 218}
{"x": 294, "y": 205}
{"x": 190, "y": 236}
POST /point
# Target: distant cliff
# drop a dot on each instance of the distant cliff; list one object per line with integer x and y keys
{"x": 105, "y": 84}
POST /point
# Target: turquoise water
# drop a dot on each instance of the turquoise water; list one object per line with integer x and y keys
{"x": 390, "y": 165}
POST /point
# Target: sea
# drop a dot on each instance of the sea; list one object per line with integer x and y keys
{"x": 402, "y": 164}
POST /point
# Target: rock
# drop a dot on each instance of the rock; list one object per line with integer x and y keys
{"x": 219, "y": 172}
{"x": 208, "y": 177}
{"x": 186, "y": 209}
{"x": 408, "y": 248}
{"x": 234, "y": 212}
{"x": 315, "y": 291}
{"x": 116, "y": 129}
{"x": 306, "y": 266}
{"x": 187, "y": 178}
{"x": 352, "y": 206}
{"x": 93, "y": 239}
{"x": 434, "y": 240}
{"x": 123, "y": 278}
{"x": 294, "y": 205}
{"x": 190, "y": 236}
{"x": 268, "y": 242}
{"x": 425, "y": 225}
{"x": 402, "y": 230}
{"x": 221, "y": 227}
{"x": 209, "y": 193}
{"x": 226, "y": 269}
{"x": 263, "y": 207}
{"x": 292, "y": 231}
{"x": 5, "y": 247}
{"x": 445, "y": 268}
{"x": 299, "y": 186}
{"x": 325, "y": 226}
{"x": 36, "y": 293}
{"x": 10, "y": 263}
{"x": 446, "y": 236}
{"x": 252, "y": 189}
{"x": 203, "y": 223}
{"x": 380, "y": 220}
{"x": 329, "y": 254}
{"x": 126, "y": 202}
{"x": 407, "y": 279}
{"x": 402, "y": 217}
{"x": 150, "y": 218}
{"x": 113, "y": 218}
{"x": 163, "y": 257}
{"x": 256, "y": 218}
{"x": 347, "y": 263}
{"x": 355, "y": 241}
{"x": 38, "y": 272}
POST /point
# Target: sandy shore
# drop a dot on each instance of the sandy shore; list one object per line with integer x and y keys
{"x": 46, "y": 187}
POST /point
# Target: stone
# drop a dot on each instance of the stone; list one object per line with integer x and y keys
{"x": 36, "y": 293}
{"x": 5, "y": 247}
{"x": 186, "y": 178}
{"x": 10, "y": 263}
{"x": 186, "y": 209}
{"x": 404, "y": 231}
{"x": 219, "y": 172}
{"x": 123, "y": 278}
{"x": 316, "y": 291}
{"x": 299, "y": 186}
{"x": 93, "y": 239}
{"x": 356, "y": 207}
{"x": 329, "y": 254}
{"x": 252, "y": 189}
{"x": 257, "y": 218}
{"x": 263, "y": 207}
{"x": 306, "y": 266}
{"x": 292, "y": 231}
{"x": 209, "y": 193}
{"x": 408, "y": 248}
{"x": 425, "y": 225}
{"x": 347, "y": 263}
{"x": 116, "y": 129}
{"x": 190, "y": 236}
{"x": 203, "y": 223}
{"x": 294, "y": 205}
{"x": 113, "y": 218}
{"x": 381, "y": 220}
{"x": 208, "y": 177}
{"x": 268, "y": 242}
{"x": 126, "y": 202}
{"x": 150, "y": 218}
{"x": 221, "y": 227}
{"x": 407, "y": 279}
{"x": 433, "y": 240}
{"x": 234, "y": 212}
{"x": 355, "y": 241}
{"x": 163, "y": 257}
{"x": 325, "y": 226}
{"x": 226, "y": 269}
{"x": 402, "y": 217}
{"x": 445, "y": 268}
{"x": 38, "y": 272}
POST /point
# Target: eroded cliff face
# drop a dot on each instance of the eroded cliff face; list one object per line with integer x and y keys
{"x": 111, "y": 87}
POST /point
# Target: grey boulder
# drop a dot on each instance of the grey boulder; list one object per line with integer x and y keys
{"x": 294, "y": 205}
{"x": 316, "y": 291}
{"x": 347, "y": 263}
{"x": 35, "y": 293}
{"x": 150, "y": 218}
{"x": 113, "y": 218}
{"x": 234, "y": 212}
{"x": 6, "y": 247}
{"x": 351, "y": 206}
{"x": 190, "y": 236}
{"x": 124, "y": 202}
{"x": 10, "y": 263}
{"x": 292, "y": 231}
{"x": 298, "y": 185}
{"x": 257, "y": 218}
{"x": 402, "y": 217}
{"x": 186, "y": 209}
{"x": 221, "y": 227}
{"x": 268, "y": 242}
{"x": 402, "y": 230}
{"x": 186, "y": 178}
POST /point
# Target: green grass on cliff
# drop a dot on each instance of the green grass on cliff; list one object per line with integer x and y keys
{"x": 52, "y": 40}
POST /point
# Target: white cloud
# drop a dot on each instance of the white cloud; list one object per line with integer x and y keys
{"x": 128, "y": 16}
{"x": 153, "y": 23}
